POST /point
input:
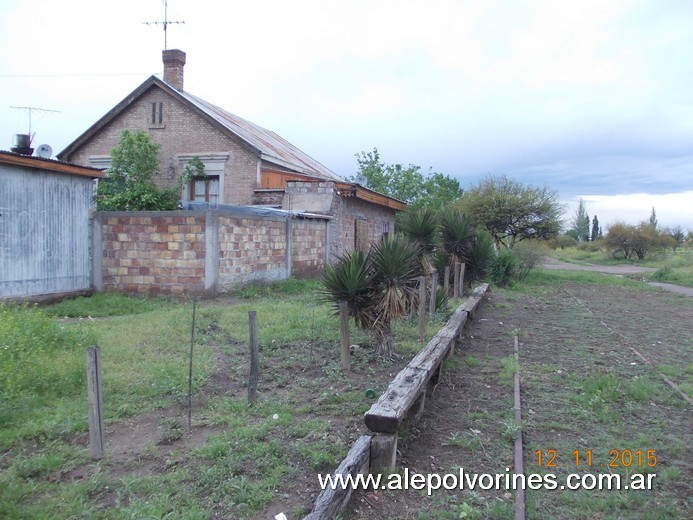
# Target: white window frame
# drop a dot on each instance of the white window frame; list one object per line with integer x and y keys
{"x": 214, "y": 163}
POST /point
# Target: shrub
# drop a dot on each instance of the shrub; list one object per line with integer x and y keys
{"x": 527, "y": 254}
{"x": 564, "y": 241}
{"x": 503, "y": 268}
{"x": 39, "y": 356}
{"x": 590, "y": 247}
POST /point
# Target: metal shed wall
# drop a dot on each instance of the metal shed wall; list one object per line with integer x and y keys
{"x": 44, "y": 232}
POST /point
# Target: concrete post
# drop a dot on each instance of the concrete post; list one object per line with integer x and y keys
{"x": 211, "y": 253}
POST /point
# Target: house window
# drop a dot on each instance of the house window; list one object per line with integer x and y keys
{"x": 210, "y": 186}
{"x": 205, "y": 189}
{"x": 386, "y": 229}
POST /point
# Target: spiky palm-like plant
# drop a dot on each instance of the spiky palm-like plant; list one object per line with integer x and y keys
{"x": 351, "y": 280}
{"x": 421, "y": 227}
{"x": 456, "y": 235}
{"x": 376, "y": 286}
{"x": 480, "y": 256}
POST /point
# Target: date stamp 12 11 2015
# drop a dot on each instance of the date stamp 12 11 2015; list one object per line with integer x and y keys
{"x": 625, "y": 458}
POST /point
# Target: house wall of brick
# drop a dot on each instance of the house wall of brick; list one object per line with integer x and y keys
{"x": 182, "y": 132}
{"x": 345, "y": 210}
{"x": 211, "y": 251}
{"x": 309, "y": 246}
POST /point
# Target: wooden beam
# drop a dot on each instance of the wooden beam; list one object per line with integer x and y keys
{"x": 331, "y": 502}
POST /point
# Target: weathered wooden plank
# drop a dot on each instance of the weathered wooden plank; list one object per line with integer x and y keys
{"x": 392, "y": 407}
{"x": 388, "y": 412}
{"x": 431, "y": 355}
{"x": 331, "y": 502}
{"x": 96, "y": 430}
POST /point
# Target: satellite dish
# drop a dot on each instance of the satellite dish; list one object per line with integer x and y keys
{"x": 44, "y": 151}
{"x": 362, "y": 180}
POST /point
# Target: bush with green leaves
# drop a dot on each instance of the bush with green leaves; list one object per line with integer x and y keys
{"x": 130, "y": 183}
{"x": 503, "y": 268}
{"x": 40, "y": 357}
{"x": 528, "y": 254}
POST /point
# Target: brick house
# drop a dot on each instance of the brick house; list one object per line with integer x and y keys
{"x": 245, "y": 164}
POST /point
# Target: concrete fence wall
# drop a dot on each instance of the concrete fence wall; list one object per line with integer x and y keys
{"x": 215, "y": 251}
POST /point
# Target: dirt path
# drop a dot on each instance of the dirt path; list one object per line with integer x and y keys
{"x": 623, "y": 270}
{"x": 554, "y": 263}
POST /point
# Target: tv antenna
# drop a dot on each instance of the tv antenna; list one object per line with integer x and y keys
{"x": 165, "y": 23}
{"x": 35, "y": 109}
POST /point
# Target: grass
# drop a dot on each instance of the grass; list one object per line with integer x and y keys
{"x": 672, "y": 267}
{"x": 106, "y": 304}
{"x": 587, "y": 391}
{"x": 254, "y": 456}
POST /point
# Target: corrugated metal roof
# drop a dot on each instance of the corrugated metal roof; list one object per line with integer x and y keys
{"x": 273, "y": 147}
{"x": 48, "y": 164}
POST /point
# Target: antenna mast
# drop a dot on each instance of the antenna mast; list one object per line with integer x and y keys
{"x": 35, "y": 109}
{"x": 165, "y": 23}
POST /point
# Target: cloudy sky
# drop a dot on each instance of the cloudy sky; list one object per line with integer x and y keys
{"x": 593, "y": 98}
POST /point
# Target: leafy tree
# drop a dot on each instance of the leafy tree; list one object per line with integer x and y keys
{"x": 653, "y": 219}
{"x": 130, "y": 184}
{"x": 677, "y": 237}
{"x": 407, "y": 183}
{"x": 619, "y": 239}
{"x": 511, "y": 211}
{"x": 595, "y": 229}
{"x": 565, "y": 240}
{"x": 581, "y": 222}
{"x": 635, "y": 240}
{"x": 645, "y": 238}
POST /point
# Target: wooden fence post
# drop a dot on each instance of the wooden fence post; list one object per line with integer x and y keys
{"x": 456, "y": 282}
{"x": 422, "y": 308}
{"x": 446, "y": 280}
{"x": 96, "y": 433}
{"x": 254, "y": 358}
{"x": 344, "y": 334}
{"x": 434, "y": 292}
{"x": 462, "y": 268}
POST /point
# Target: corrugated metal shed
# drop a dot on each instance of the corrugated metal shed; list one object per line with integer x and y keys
{"x": 44, "y": 226}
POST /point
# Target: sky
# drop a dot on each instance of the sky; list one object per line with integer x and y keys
{"x": 592, "y": 98}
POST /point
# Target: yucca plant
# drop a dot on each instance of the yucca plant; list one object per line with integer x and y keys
{"x": 351, "y": 280}
{"x": 421, "y": 227}
{"x": 376, "y": 286}
{"x": 456, "y": 235}
{"x": 480, "y": 257}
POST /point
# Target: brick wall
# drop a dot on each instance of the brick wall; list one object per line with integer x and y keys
{"x": 162, "y": 254}
{"x": 309, "y": 245}
{"x": 251, "y": 250}
{"x": 187, "y": 252}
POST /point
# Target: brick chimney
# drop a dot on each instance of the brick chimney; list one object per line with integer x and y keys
{"x": 174, "y": 61}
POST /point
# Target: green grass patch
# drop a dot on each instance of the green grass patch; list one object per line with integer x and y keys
{"x": 106, "y": 304}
